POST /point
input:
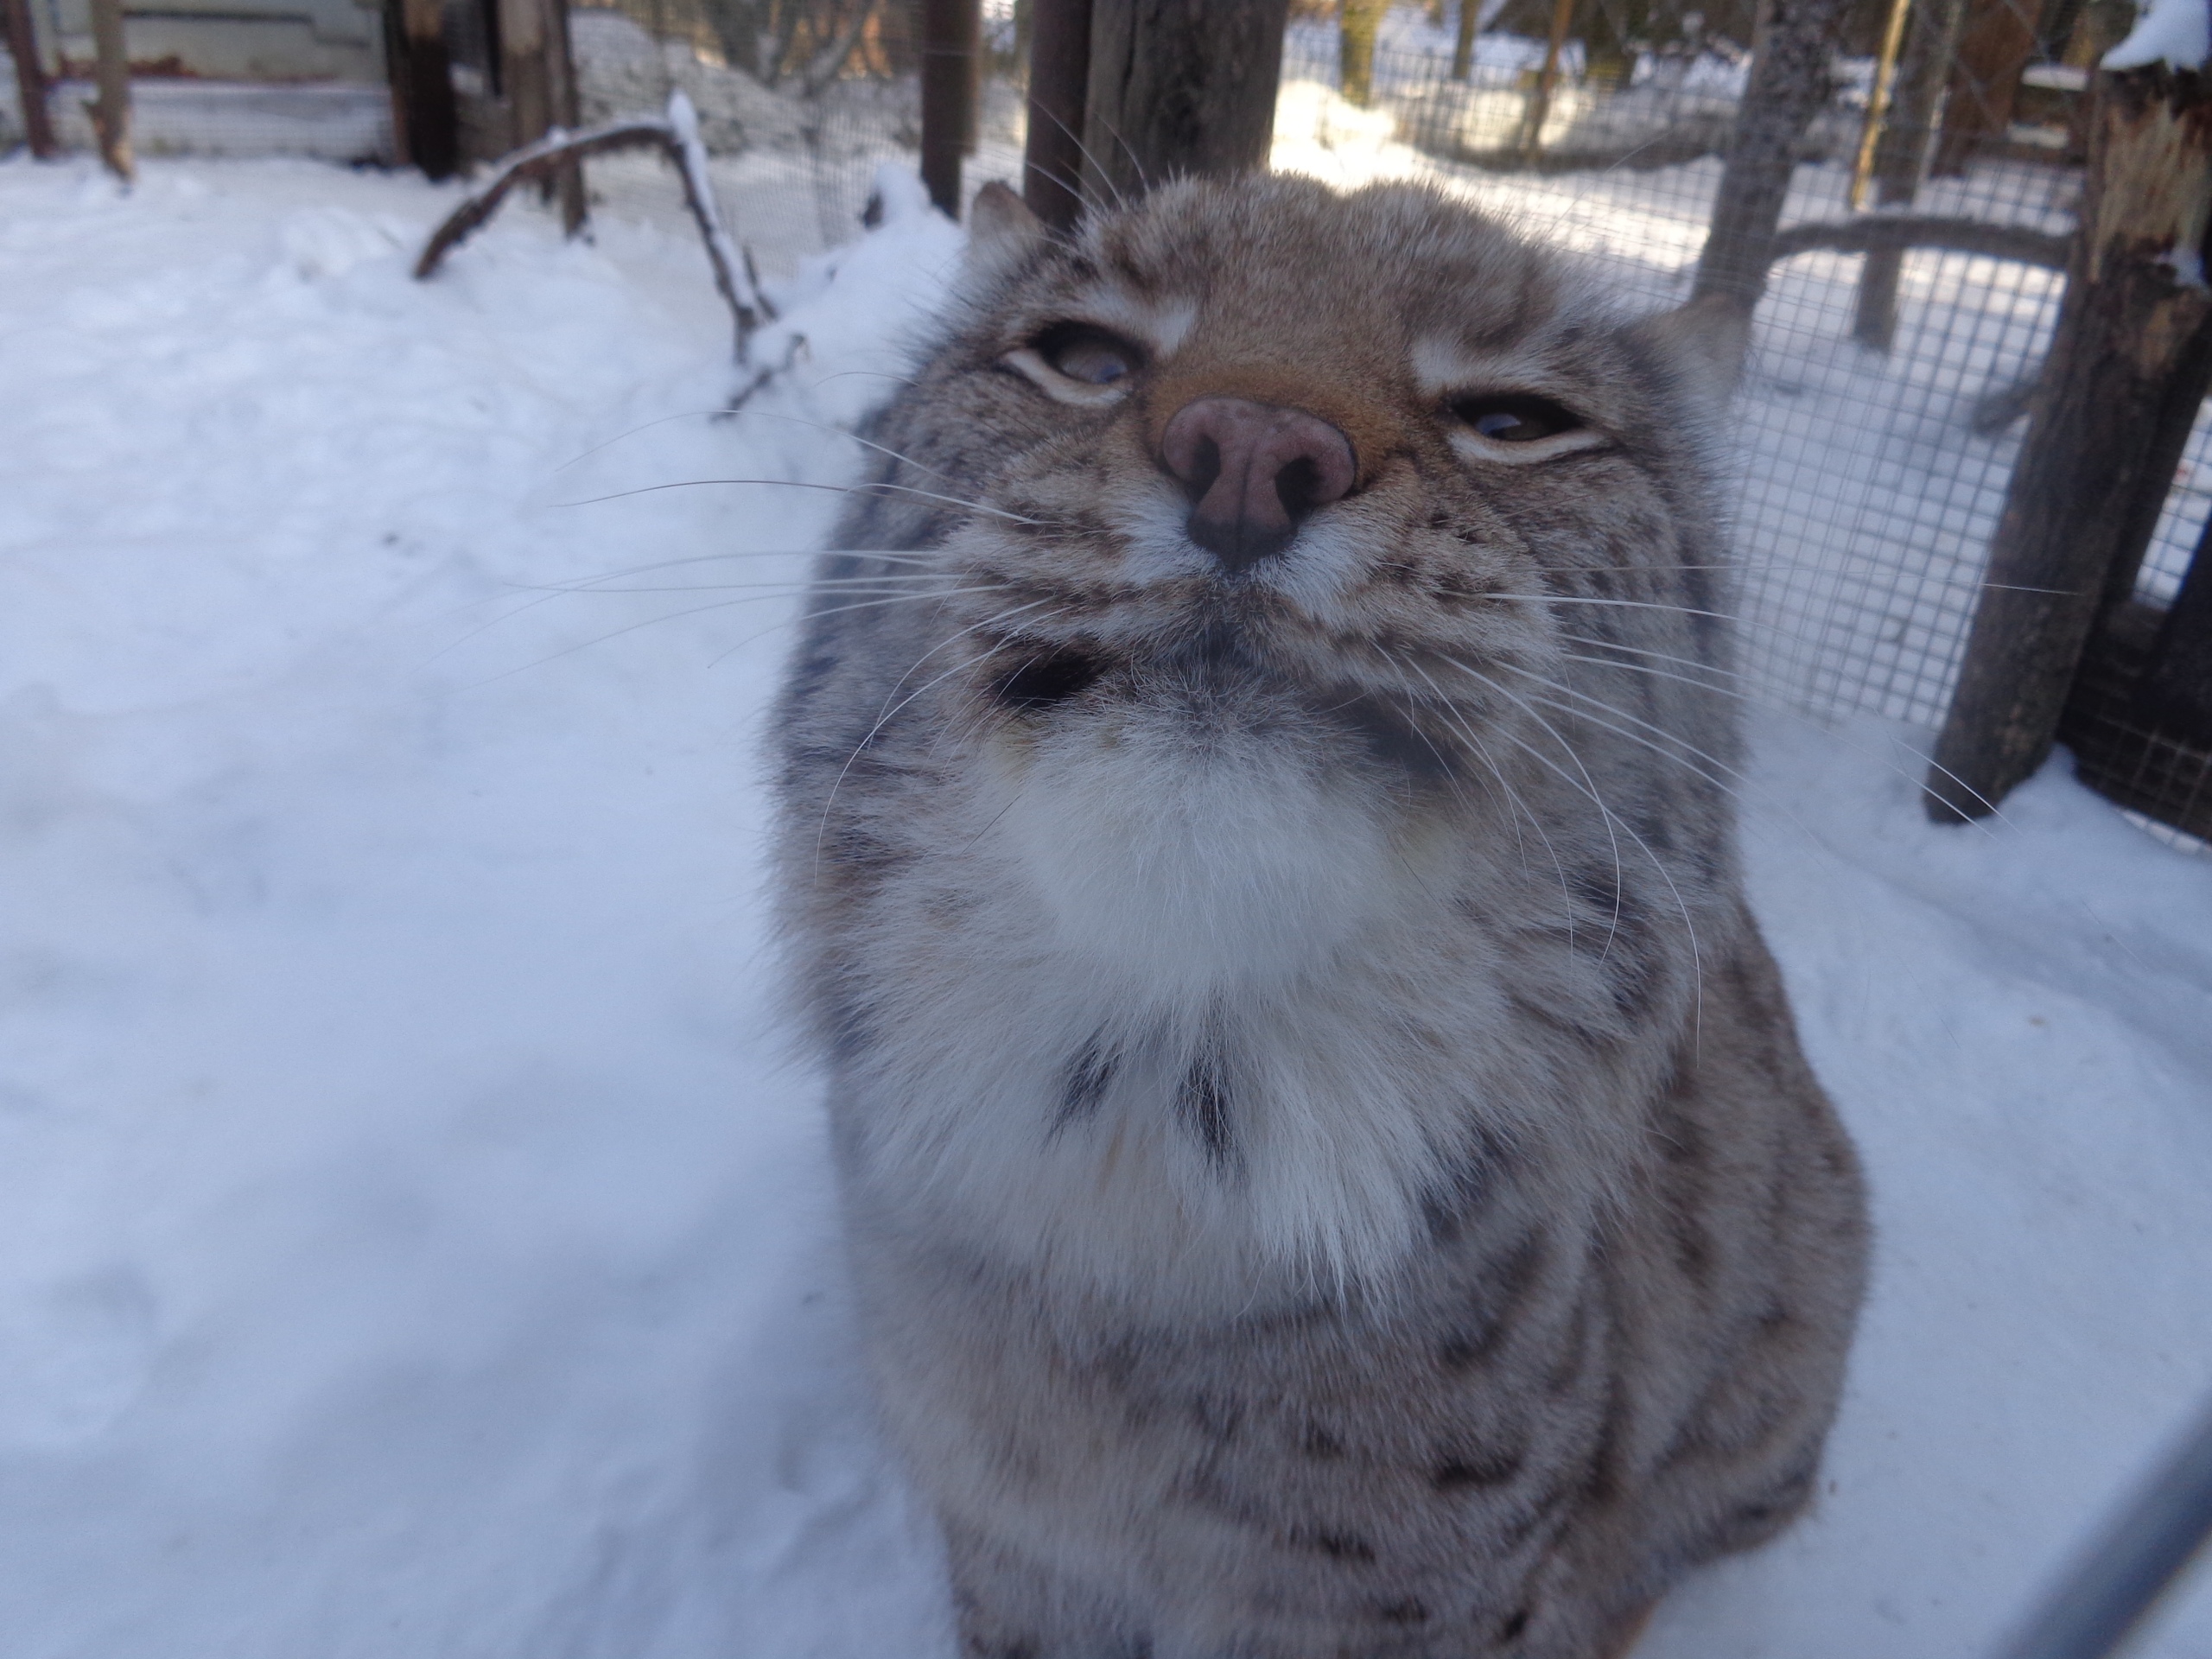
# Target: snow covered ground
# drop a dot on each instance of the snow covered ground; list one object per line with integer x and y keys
{"x": 414, "y": 1240}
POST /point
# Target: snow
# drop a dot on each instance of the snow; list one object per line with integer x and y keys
{"x": 414, "y": 1237}
{"x": 2174, "y": 32}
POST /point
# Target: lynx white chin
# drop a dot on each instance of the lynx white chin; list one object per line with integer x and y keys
{"x": 1198, "y": 863}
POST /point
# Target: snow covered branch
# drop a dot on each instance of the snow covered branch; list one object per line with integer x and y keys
{"x": 677, "y": 137}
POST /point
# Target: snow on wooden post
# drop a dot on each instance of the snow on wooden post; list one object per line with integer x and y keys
{"x": 949, "y": 29}
{"x": 1059, "y": 76}
{"x": 31, "y": 79}
{"x": 110, "y": 111}
{"x": 426, "y": 119}
{"x": 1180, "y": 87}
{"x": 2129, "y": 365}
{"x": 1788, "y": 85}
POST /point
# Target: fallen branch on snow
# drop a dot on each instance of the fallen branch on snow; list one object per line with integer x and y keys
{"x": 677, "y": 137}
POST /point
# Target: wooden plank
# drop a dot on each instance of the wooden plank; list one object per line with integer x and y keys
{"x": 1179, "y": 87}
{"x": 2130, "y": 363}
{"x": 30, "y": 78}
{"x": 1059, "y": 77}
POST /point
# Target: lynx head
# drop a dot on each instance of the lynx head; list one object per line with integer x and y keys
{"x": 1274, "y": 734}
{"x": 1274, "y": 490}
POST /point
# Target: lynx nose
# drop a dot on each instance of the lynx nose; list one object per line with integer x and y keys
{"x": 1254, "y": 471}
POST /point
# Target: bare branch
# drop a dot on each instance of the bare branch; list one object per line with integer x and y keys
{"x": 1895, "y": 232}
{"x": 676, "y": 137}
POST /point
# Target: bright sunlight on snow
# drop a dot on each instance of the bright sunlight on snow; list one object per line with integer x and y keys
{"x": 413, "y": 1239}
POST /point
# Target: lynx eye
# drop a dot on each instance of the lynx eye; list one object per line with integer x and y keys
{"x": 1517, "y": 417}
{"x": 1089, "y": 354}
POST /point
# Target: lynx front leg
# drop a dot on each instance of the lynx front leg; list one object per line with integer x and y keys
{"x": 1011, "y": 1607}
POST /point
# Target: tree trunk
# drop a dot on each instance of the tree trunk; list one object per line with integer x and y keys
{"x": 31, "y": 79}
{"x": 1358, "y": 24}
{"x": 1059, "y": 76}
{"x": 1179, "y": 87}
{"x": 2129, "y": 365}
{"x": 1540, "y": 96}
{"x": 1463, "y": 44}
{"x": 111, "y": 113}
{"x": 736, "y": 24}
{"x": 1788, "y": 85}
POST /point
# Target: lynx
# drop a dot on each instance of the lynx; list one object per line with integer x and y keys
{"x": 1327, "y": 1163}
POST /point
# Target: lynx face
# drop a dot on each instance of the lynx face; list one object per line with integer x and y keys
{"x": 1308, "y": 599}
{"x": 1279, "y": 485}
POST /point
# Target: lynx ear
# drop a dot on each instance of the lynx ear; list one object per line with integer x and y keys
{"x": 1000, "y": 230}
{"x": 1709, "y": 337}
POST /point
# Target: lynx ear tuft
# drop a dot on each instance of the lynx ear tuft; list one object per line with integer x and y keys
{"x": 1000, "y": 230}
{"x": 1709, "y": 337}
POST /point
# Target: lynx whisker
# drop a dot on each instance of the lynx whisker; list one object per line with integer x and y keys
{"x": 890, "y": 710}
{"x": 1994, "y": 811}
{"x": 800, "y": 484}
{"x": 1464, "y": 728}
{"x": 1610, "y": 818}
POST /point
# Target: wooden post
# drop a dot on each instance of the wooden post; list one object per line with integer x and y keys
{"x": 1059, "y": 75}
{"x": 1540, "y": 99}
{"x": 30, "y": 78}
{"x": 541, "y": 91}
{"x": 2130, "y": 363}
{"x": 568, "y": 113}
{"x": 950, "y": 28}
{"x": 1463, "y": 43}
{"x": 2177, "y": 688}
{"x": 1878, "y": 104}
{"x": 1995, "y": 45}
{"x": 426, "y": 119}
{"x": 1179, "y": 87}
{"x": 110, "y": 112}
{"x": 1788, "y": 85}
{"x": 1900, "y": 159}
{"x": 1358, "y": 22}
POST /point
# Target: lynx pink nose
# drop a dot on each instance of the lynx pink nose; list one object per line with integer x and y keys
{"x": 1254, "y": 471}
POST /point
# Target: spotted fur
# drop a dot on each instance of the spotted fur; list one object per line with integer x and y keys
{"x": 1328, "y": 1166}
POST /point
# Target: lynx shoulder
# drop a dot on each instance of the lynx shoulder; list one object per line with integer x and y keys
{"x": 1328, "y": 1164}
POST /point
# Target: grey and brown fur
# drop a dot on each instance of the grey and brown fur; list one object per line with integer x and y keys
{"x": 1328, "y": 1167}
